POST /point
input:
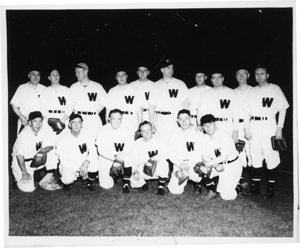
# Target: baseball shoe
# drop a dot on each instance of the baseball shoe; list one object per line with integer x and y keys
{"x": 269, "y": 193}
{"x": 243, "y": 187}
{"x": 91, "y": 187}
{"x": 145, "y": 187}
{"x": 211, "y": 194}
{"x": 126, "y": 189}
{"x": 160, "y": 191}
{"x": 253, "y": 191}
{"x": 197, "y": 188}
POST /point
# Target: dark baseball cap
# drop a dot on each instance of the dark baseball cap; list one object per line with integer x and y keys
{"x": 74, "y": 116}
{"x": 165, "y": 63}
{"x": 35, "y": 114}
{"x": 207, "y": 119}
{"x": 81, "y": 65}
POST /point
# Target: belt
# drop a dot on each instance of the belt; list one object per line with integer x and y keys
{"x": 144, "y": 110}
{"x": 86, "y": 113}
{"x": 230, "y": 161}
{"x": 127, "y": 112}
{"x": 57, "y": 111}
{"x": 193, "y": 116}
{"x": 258, "y": 118}
{"x": 163, "y": 112}
{"x": 221, "y": 119}
{"x": 241, "y": 120}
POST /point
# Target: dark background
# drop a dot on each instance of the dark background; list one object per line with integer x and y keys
{"x": 109, "y": 40}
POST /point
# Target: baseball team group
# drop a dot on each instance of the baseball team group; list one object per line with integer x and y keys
{"x": 153, "y": 131}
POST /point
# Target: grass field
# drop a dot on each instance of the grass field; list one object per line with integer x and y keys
{"x": 111, "y": 213}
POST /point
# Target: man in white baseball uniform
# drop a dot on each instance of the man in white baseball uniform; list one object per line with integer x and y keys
{"x": 167, "y": 97}
{"x": 219, "y": 152}
{"x": 114, "y": 142}
{"x": 196, "y": 94}
{"x": 125, "y": 97}
{"x": 263, "y": 103}
{"x": 186, "y": 150}
{"x": 87, "y": 99}
{"x": 77, "y": 154}
{"x": 147, "y": 150}
{"x": 54, "y": 103}
{"x": 27, "y": 98}
{"x": 221, "y": 102}
{"x": 29, "y": 142}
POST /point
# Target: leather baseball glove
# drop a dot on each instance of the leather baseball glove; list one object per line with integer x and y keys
{"x": 56, "y": 124}
{"x": 41, "y": 157}
{"x": 240, "y": 145}
{"x": 150, "y": 167}
{"x": 117, "y": 168}
{"x": 181, "y": 175}
{"x": 202, "y": 169}
{"x": 279, "y": 145}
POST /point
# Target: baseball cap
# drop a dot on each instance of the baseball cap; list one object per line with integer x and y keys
{"x": 207, "y": 119}
{"x": 165, "y": 63}
{"x": 35, "y": 114}
{"x": 82, "y": 65}
{"x": 74, "y": 116}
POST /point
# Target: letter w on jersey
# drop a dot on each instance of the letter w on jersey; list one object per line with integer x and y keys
{"x": 173, "y": 93}
{"x": 119, "y": 147}
{"x": 266, "y": 101}
{"x": 190, "y": 146}
{"x": 152, "y": 153}
{"x": 92, "y": 96}
{"x": 129, "y": 99}
{"x": 82, "y": 148}
{"x": 224, "y": 103}
{"x": 62, "y": 100}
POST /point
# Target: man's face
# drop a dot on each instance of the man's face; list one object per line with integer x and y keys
{"x": 147, "y": 132}
{"x": 184, "y": 121}
{"x": 115, "y": 120}
{"x": 217, "y": 79}
{"x": 76, "y": 126}
{"x": 121, "y": 77}
{"x": 36, "y": 124}
{"x": 168, "y": 71}
{"x": 54, "y": 77}
{"x": 209, "y": 128}
{"x": 261, "y": 75}
{"x": 242, "y": 76}
{"x": 200, "y": 78}
{"x": 80, "y": 73}
{"x": 143, "y": 73}
{"x": 34, "y": 77}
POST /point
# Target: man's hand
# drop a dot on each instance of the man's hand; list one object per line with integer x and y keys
{"x": 23, "y": 120}
{"x": 219, "y": 168}
{"x": 247, "y": 134}
{"x": 279, "y": 133}
{"x": 235, "y": 136}
{"x": 198, "y": 129}
{"x": 25, "y": 177}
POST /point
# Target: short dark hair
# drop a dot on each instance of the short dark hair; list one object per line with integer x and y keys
{"x": 143, "y": 124}
{"x": 261, "y": 67}
{"x": 115, "y": 111}
{"x": 184, "y": 111}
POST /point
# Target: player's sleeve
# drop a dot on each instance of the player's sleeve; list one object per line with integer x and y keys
{"x": 184, "y": 92}
{"x": 173, "y": 151}
{"x": 234, "y": 107}
{"x": 281, "y": 102}
{"x": 154, "y": 94}
{"x": 44, "y": 103}
{"x": 71, "y": 100}
{"x": 102, "y": 141}
{"x": 102, "y": 96}
{"x": 17, "y": 97}
{"x": 92, "y": 155}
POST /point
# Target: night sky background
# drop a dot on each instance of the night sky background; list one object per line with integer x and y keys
{"x": 109, "y": 40}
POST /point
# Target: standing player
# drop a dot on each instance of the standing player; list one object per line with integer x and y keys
{"x": 196, "y": 94}
{"x": 77, "y": 154}
{"x": 143, "y": 84}
{"x": 221, "y": 102}
{"x": 220, "y": 153}
{"x": 87, "y": 99}
{"x": 29, "y": 142}
{"x": 147, "y": 150}
{"x": 27, "y": 98}
{"x": 114, "y": 142}
{"x": 54, "y": 101}
{"x": 263, "y": 103}
{"x": 167, "y": 97}
{"x": 125, "y": 97}
{"x": 186, "y": 150}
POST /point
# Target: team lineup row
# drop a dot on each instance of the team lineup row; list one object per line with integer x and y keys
{"x": 181, "y": 118}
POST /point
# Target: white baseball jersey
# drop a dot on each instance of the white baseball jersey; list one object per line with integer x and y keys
{"x": 221, "y": 103}
{"x": 264, "y": 102}
{"x": 126, "y": 99}
{"x": 196, "y": 94}
{"x": 144, "y": 92}
{"x": 168, "y": 97}
{"x": 86, "y": 101}
{"x": 27, "y": 99}
{"x": 223, "y": 144}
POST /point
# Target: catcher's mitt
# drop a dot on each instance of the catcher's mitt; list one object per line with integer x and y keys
{"x": 56, "y": 124}
{"x": 117, "y": 168}
{"x": 137, "y": 135}
{"x": 278, "y": 145}
{"x": 181, "y": 175}
{"x": 150, "y": 167}
{"x": 202, "y": 169}
{"x": 41, "y": 157}
{"x": 240, "y": 145}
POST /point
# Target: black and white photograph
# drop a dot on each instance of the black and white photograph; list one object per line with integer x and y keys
{"x": 149, "y": 123}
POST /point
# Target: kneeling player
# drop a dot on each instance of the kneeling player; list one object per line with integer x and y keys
{"x": 77, "y": 154}
{"x": 149, "y": 154}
